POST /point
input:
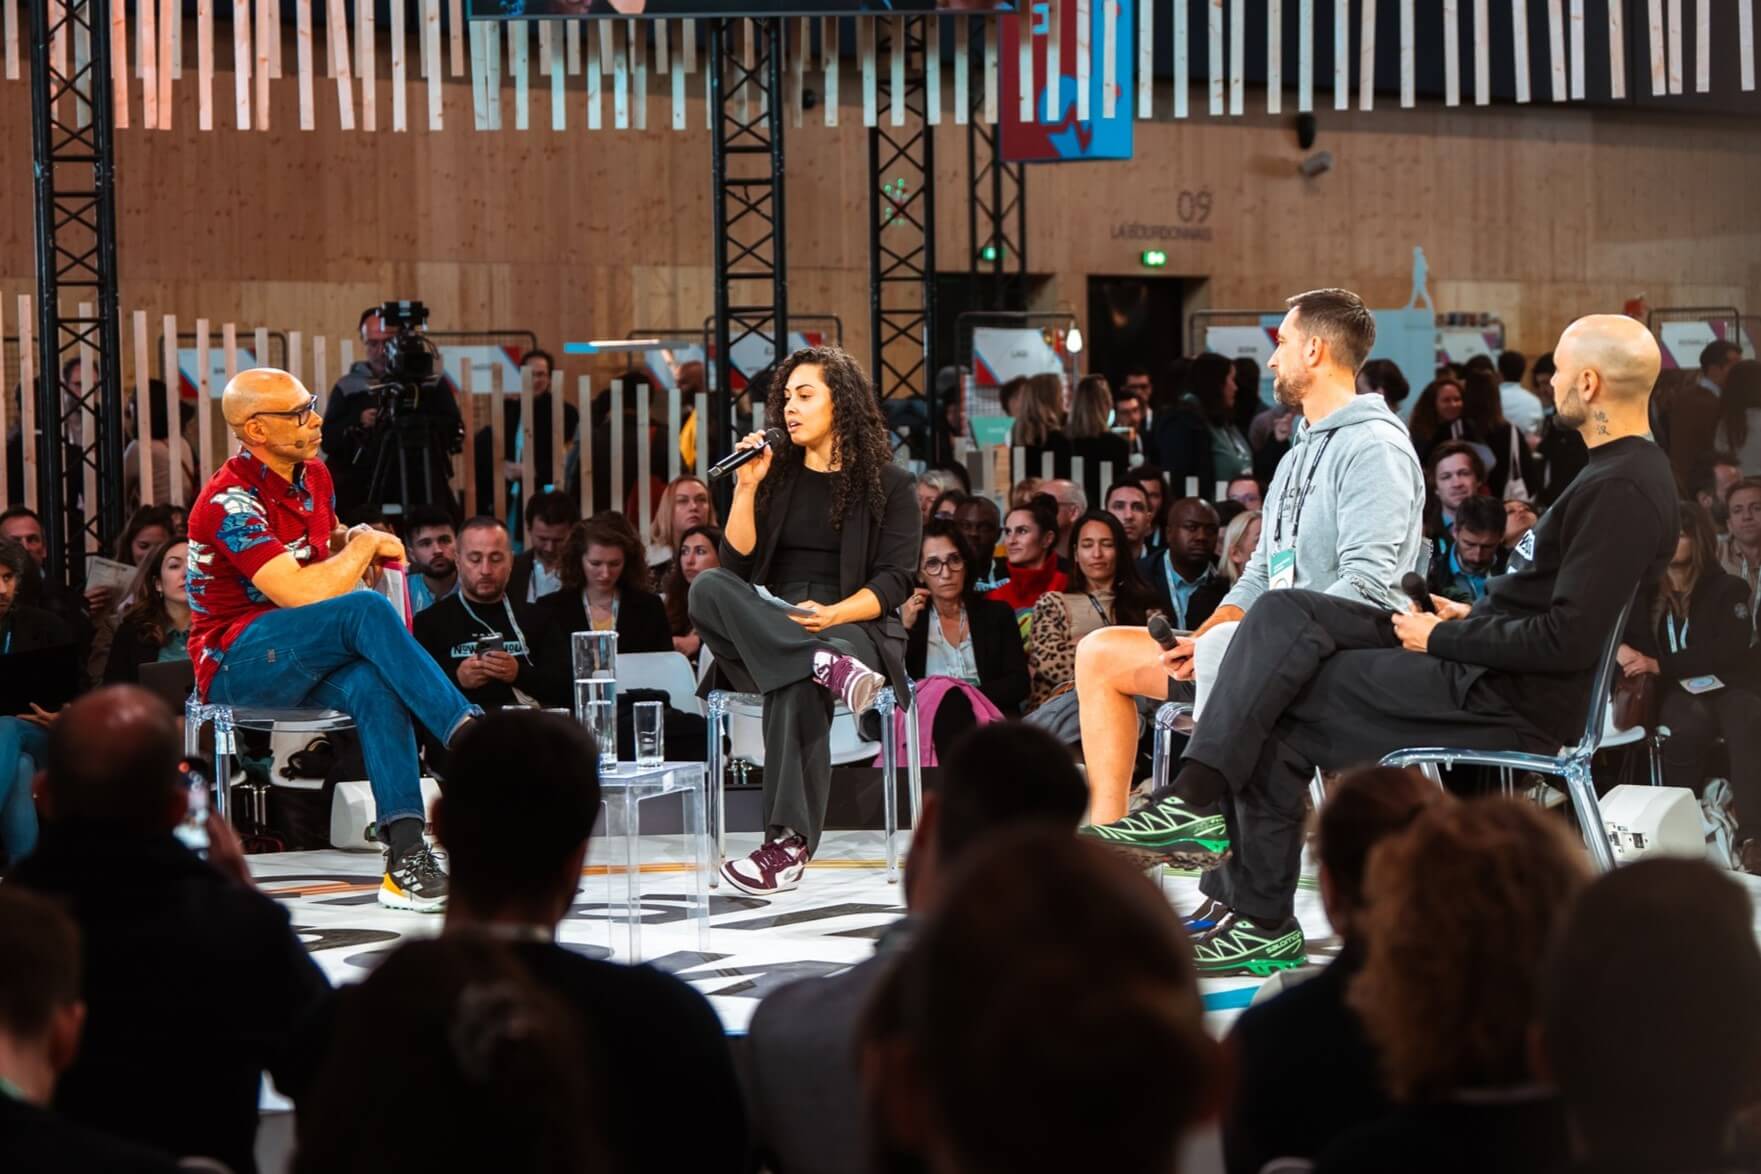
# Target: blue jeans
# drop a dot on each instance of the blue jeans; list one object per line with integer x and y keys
{"x": 353, "y": 654}
{"x": 23, "y": 747}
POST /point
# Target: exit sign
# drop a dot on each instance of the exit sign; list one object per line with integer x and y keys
{"x": 1153, "y": 258}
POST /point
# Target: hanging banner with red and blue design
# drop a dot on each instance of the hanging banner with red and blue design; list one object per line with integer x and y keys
{"x": 1058, "y": 135}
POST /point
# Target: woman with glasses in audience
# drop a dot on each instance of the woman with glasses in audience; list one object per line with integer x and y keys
{"x": 699, "y": 550}
{"x": 157, "y": 626}
{"x": 1104, "y": 589}
{"x": 1030, "y": 540}
{"x": 957, "y": 635}
{"x": 1691, "y": 631}
{"x": 605, "y": 587}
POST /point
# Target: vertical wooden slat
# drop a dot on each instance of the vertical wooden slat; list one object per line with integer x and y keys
{"x": 1274, "y": 56}
{"x": 1182, "y": 63}
{"x": 320, "y": 385}
{"x": 467, "y": 457}
{"x": 147, "y": 48}
{"x": 58, "y": 49}
{"x": 559, "y": 441}
{"x": 262, "y": 75}
{"x": 617, "y": 446}
{"x": 498, "y": 441}
{"x": 573, "y": 45}
{"x": 544, "y": 54}
{"x": 82, "y": 57}
{"x": 674, "y": 424}
{"x": 584, "y": 434}
{"x": 9, "y": 17}
{"x": 1214, "y": 27}
{"x": 274, "y": 40}
{"x": 1237, "y": 56}
{"x": 1407, "y": 95}
{"x": 1702, "y": 46}
{"x": 680, "y": 107}
{"x": 1366, "y": 60}
{"x": 143, "y": 401}
{"x": 644, "y": 459}
{"x": 118, "y": 55}
{"x": 1482, "y": 54}
{"x": 260, "y": 346}
{"x": 1341, "y": 56}
{"x": 1577, "y": 50}
{"x": 932, "y": 69}
{"x": 1675, "y": 46}
{"x": 303, "y": 61}
{"x": 1146, "y": 59}
{"x": 170, "y": 17}
{"x": 205, "y": 404}
{"x": 620, "y": 75}
{"x": 1451, "y": 53}
{"x": 455, "y": 12}
{"x": 1519, "y": 46}
{"x": 559, "y": 95}
{"x": 638, "y": 42}
{"x": 865, "y": 54}
{"x": 896, "y": 73}
{"x": 1556, "y": 47}
{"x": 204, "y": 64}
{"x": 518, "y": 46}
{"x": 5, "y": 397}
{"x": 1054, "y": 104}
{"x": 243, "y": 61}
{"x": 993, "y": 47}
{"x": 431, "y": 42}
{"x": 962, "y": 71}
{"x": 173, "y": 421}
{"x": 400, "y": 115}
{"x": 1746, "y": 41}
{"x": 743, "y": 95}
{"x": 370, "y": 67}
{"x": 688, "y": 44}
{"x": 492, "y": 77}
{"x": 700, "y": 406}
{"x": 1305, "y": 56}
{"x": 296, "y": 356}
{"x": 424, "y": 62}
{"x": 595, "y": 33}
{"x": 663, "y": 49}
{"x": 229, "y": 349}
{"x": 480, "y": 33}
{"x": 528, "y": 450}
{"x": 828, "y": 53}
{"x": 1085, "y": 56}
{"x": 27, "y": 406}
{"x": 1023, "y": 71}
{"x": 1617, "y": 51}
{"x": 336, "y": 24}
{"x": 1659, "y": 71}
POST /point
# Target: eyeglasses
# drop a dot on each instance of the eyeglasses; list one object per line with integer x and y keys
{"x": 951, "y": 565}
{"x": 298, "y": 415}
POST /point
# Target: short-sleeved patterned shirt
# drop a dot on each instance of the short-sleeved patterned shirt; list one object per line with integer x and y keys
{"x": 245, "y": 517}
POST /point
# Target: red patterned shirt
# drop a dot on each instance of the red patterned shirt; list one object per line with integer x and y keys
{"x": 246, "y": 516}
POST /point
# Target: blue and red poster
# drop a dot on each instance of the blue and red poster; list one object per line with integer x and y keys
{"x": 1057, "y": 136}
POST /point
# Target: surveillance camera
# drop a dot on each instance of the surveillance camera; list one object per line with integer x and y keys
{"x": 1319, "y": 163}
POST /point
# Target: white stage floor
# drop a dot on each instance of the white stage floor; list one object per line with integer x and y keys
{"x": 755, "y": 945}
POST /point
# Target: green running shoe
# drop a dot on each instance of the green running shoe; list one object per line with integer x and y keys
{"x": 1168, "y": 831}
{"x": 1239, "y": 947}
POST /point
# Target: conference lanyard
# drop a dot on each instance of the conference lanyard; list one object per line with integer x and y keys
{"x": 1301, "y": 496}
{"x": 1180, "y": 605}
{"x": 512, "y": 622}
{"x": 1099, "y": 610}
{"x": 1677, "y": 641}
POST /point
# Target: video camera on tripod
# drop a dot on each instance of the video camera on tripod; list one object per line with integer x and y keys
{"x": 417, "y": 427}
{"x": 412, "y": 361}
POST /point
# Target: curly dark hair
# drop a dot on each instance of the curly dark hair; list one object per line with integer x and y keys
{"x": 1132, "y": 597}
{"x": 604, "y": 529}
{"x": 860, "y": 447}
{"x": 677, "y": 591}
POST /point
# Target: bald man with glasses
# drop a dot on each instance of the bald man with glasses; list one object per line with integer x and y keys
{"x": 278, "y": 620}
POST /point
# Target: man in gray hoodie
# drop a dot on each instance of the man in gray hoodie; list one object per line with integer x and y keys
{"x": 1343, "y": 516}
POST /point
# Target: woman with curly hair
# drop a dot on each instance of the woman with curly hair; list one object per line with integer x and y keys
{"x": 605, "y": 587}
{"x": 829, "y": 526}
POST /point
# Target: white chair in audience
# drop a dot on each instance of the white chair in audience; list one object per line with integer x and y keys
{"x": 736, "y": 731}
{"x": 1572, "y": 763}
{"x": 665, "y": 672}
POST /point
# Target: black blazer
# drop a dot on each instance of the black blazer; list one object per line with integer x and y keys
{"x": 520, "y": 581}
{"x": 996, "y": 646}
{"x": 642, "y": 622}
{"x": 877, "y": 553}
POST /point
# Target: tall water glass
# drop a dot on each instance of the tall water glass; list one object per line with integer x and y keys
{"x": 648, "y": 719}
{"x": 596, "y": 655}
{"x": 596, "y": 706}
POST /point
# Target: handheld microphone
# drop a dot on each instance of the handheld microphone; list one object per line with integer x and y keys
{"x": 773, "y": 438}
{"x": 1415, "y": 589}
{"x": 1162, "y": 632}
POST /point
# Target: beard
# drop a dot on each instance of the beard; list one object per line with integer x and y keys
{"x": 1288, "y": 390}
{"x": 437, "y": 568}
{"x": 1569, "y": 411}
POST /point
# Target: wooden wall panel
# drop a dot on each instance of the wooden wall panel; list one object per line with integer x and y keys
{"x": 1535, "y": 215}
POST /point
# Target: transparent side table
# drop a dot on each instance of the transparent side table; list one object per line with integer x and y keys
{"x": 623, "y": 794}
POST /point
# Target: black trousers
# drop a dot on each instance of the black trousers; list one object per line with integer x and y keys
{"x": 1310, "y": 681}
{"x": 761, "y": 650}
{"x": 1694, "y": 721}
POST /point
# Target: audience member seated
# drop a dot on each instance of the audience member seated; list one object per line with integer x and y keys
{"x": 459, "y": 1035}
{"x": 1105, "y": 454}
{"x": 1691, "y": 631}
{"x": 1131, "y": 412}
{"x": 22, "y": 525}
{"x": 501, "y": 650}
{"x": 1511, "y": 470}
{"x": 1516, "y": 402}
{"x": 930, "y": 487}
{"x": 1039, "y": 424}
{"x": 514, "y": 438}
{"x": 1647, "y": 1020}
{"x": 1739, "y": 424}
{"x": 1052, "y": 1070}
{"x": 538, "y": 569}
{"x": 1199, "y": 437}
{"x": 947, "y": 504}
{"x": 1072, "y": 502}
{"x": 1454, "y": 473}
{"x": 431, "y": 544}
{"x": 1740, "y": 550}
{"x": 1383, "y": 377}
{"x": 517, "y": 842}
{"x": 1184, "y": 577}
{"x": 605, "y": 587}
{"x": 1561, "y": 450}
{"x": 162, "y": 926}
{"x": 1128, "y": 502}
{"x": 1305, "y": 1072}
{"x": 1473, "y": 552}
{"x": 1519, "y": 518}
{"x": 1709, "y": 482}
{"x": 42, "y": 1014}
{"x": 1024, "y": 491}
{"x": 156, "y": 627}
{"x": 1436, "y": 417}
{"x": 24, "y": 738}
{"x": 159, "y": 443}
{"x": 1030, "y": 536}
{"x": 1149, "y": 478}
{"x": 805, "y": 1092}
{"x": 982, "y": 527}
{"x": 1105, "y": 588}
{"x": 699, "y": 550}
{"x": 953, "y": 633}
{"x": 1240, "y": 539}
{"x": 1461, "y": 907}
{"x": 684, "y": 503}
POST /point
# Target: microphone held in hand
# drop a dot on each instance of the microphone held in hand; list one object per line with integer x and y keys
{"x": 773, "y": 438}
{"x": 1162, "y": 632}
{"x": 1414, "y": 585}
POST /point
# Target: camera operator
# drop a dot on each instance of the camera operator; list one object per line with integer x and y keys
{"x": 420, "y": 413}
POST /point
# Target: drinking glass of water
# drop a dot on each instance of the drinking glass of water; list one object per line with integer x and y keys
{"x": 596, "y": 706}
{"x": 649, "y": 720}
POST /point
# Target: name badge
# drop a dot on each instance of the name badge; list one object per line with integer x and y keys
{"x": 1705, "y": 684}
{"x": 1282, "y": 569}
